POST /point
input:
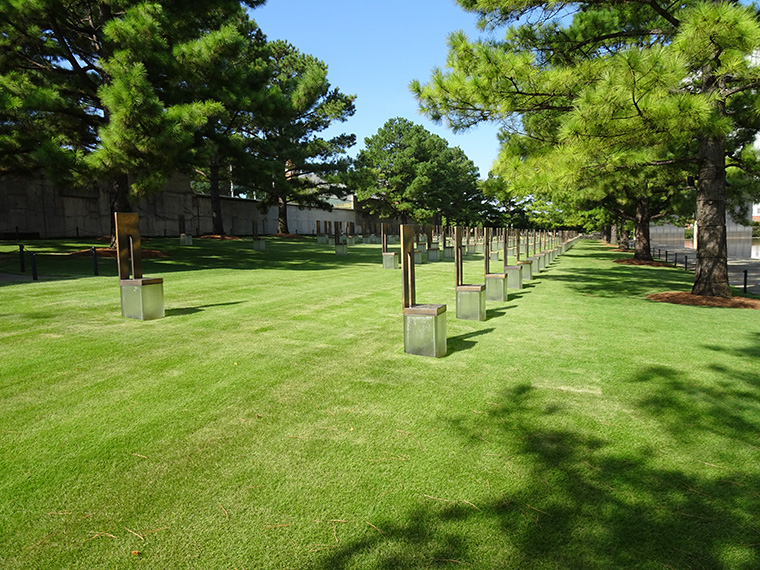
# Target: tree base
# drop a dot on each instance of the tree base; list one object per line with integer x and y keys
{"x": 712, "y": 289}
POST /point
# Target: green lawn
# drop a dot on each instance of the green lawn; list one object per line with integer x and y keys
{"x": 272, "y": 419}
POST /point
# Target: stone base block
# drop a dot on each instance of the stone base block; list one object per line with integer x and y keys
{"x": 433, "y": 254}
{"x": 471, "y": 302}
{"x": 527, "y": 270}
{"x": 351, "y": 241}
{"x": 514, "y": 275}
{"x": 142, "y": 299}
{"x": 322, "y": 239}
{"x": 185, "y": 239}
{"x": 534, "y": 265}
{"x": 341, "y": 249}
{"x": 390, "y": 260}
{"x": 425, "y": 330}
{"x": 494, "y": 256}
{"x": 259, "y": 244}
{"x": 479, "y": 248}
{"x": 417, "y": 257}
{"x": 423, "y": 248}
{"x": 448, "y": 252}
{"x": 470, "y": 249}
{"x": 496, "y": 287}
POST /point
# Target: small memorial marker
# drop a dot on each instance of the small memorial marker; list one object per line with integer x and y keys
{"x": 527, "y": 265}
{"x": 471, "y": 299}
{"x": 448, "y": 247}
{"x": 340, "y": 247}
{"x": 433, "y": 251}
{"x": 514, "y": 273}
{"x": 424, "y": 325}
{"x": 496, "y": 283}
{"x": 141, "y": 298}
{"x": 390, "y": 258}
{"x": 259, "y": 244}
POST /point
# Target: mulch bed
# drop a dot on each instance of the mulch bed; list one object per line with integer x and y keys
{"x": 217, "y": 236}
{"x": 108, "y": 252}
{"x": 643, "y": 262}
{"x": 291, "y": 236}
{"x": 686, "y": 298}
{"x": 288, "y": 236}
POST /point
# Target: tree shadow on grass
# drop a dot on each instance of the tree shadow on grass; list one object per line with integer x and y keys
{"x": 623, "y": 280}
{"x": 619, "y": 280}
{"x": 674, "y": 485}
{"x": 296, "y": 255}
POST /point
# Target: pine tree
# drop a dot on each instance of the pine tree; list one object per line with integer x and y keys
{"x": 634, "y": 83}
{"x": 291, "y": 162}
{"x": 89, "y": 90}
{"x": 406, "y": 171}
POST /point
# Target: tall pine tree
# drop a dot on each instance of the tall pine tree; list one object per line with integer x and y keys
{"x": 89, "y": 89}
{"x": 548, "y": 65}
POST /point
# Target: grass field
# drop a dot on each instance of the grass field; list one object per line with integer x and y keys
{"x": 272, "y": 419}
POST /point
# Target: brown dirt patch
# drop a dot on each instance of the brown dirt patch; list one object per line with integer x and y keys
{"x": 217, "y": 236}
{"x": 642, "y": 262}
{"x": 291, "y": 236}
{"x": 108, "y": 252}
{"x": 686, "y": 298}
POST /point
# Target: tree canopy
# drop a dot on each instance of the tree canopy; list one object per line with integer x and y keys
{"x": 594, "y": 94}
{"x": 126, "y": 92}
{"x": 404, "y": 170}
{"x": 91, "y": 89}
{"x": 294, "y": 162}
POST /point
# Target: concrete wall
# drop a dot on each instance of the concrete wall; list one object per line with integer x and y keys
{"x": 35, "y": 207}
{"x": 667, "y": 234}
{"x": 738, "y": 238}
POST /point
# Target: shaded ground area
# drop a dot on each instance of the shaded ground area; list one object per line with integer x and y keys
{"x": 109, "y": 252}
{"x": 642, "y": 262}
{"x": 686, "y": 298}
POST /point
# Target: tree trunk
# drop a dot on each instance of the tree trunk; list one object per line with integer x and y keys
{"x": 282, "y": 216}
{"x": 614, "y": 234}
{"x": 607, "y": 232}
{"x": 119, "y": 202}
{"x": 217, "y": 223}
{"x": 643, "y": 250}
{"x": 711, "y": 274}
{"x": 625, "y": 237}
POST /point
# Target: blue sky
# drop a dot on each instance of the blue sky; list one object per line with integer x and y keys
{"x": 373, "y": 50}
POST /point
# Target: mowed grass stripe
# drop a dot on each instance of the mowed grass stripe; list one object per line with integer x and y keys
{"x": 272, "y": 420}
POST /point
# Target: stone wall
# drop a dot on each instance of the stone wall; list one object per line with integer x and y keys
{"x": 38, "y": 208}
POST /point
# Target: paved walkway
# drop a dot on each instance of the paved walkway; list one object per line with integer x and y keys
{"x": 736, "y": 267}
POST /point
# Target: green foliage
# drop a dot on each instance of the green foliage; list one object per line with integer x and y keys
{"x": 293, "y": 162}
{"x": 614, "y": 104}
{"x": 94, "y": 90}
{"x": 407, "y": 171}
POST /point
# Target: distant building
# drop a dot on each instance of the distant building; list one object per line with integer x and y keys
{"x": 756, "y": 212}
